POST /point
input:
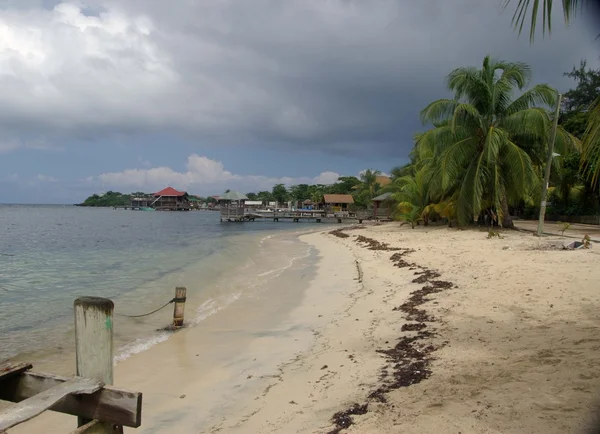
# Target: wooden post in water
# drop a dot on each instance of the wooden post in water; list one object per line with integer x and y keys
{"x": 180, "y": 292}
{"x": 94, "y": 347}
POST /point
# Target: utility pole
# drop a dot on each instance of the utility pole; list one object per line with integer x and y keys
{"x": 540, "y": 229}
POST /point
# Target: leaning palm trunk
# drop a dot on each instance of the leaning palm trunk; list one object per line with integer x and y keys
{"x": 506, "y": 220}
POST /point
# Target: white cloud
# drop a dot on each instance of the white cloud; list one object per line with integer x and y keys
{"x": 46, "y": 178}
{"x": 202, "y": 176}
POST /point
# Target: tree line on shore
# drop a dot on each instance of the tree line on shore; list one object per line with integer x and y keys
{"x": 483, "y": 157}
{"x": 484, "y": 154}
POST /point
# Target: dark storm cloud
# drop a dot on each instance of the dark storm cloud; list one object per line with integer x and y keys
{"x": 344, "y": 76}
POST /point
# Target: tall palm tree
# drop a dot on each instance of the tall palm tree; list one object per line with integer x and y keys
{"x": 474, "y": 139}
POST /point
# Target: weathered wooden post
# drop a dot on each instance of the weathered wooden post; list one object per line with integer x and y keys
{"x": 180, "y": 292}
{"x": 94, "y": 347}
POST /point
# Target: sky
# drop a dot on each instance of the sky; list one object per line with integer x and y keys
{"x": 130, "y": 95}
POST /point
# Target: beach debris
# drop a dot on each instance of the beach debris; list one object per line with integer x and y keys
{"x": 293, "y": 402}
{"x": 374, "y": 244}
{"x": 409, "y": 360}
{"x": 415, "y": 327}
{"x": 425, "y": 275}
{"x": 586, "y": 241}
{"x": 574, "y": 245}
{"x": 398, "y": 260}
{"x": 324, "y": 367}
{"x": 343, "y": 419}
{"x": 338, "y": 233}
{"x": 182, "y": 396}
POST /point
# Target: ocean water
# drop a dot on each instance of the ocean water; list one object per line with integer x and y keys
{"x": 51, "y": 255}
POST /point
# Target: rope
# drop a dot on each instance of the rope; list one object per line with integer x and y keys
{"x": 173, "y": 300}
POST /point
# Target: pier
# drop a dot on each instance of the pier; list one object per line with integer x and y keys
{"x": 312, "y": 216}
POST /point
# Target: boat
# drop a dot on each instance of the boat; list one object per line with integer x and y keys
{"x": 146, "y": 208}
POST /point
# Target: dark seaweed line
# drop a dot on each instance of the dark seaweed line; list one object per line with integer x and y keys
{"x": 410, "y": 359}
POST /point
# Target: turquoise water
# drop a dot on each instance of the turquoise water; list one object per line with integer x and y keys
{"x": 50, "y": 255}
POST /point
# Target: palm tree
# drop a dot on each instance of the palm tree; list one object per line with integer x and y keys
{"x": 413, "y": 196}
{"x": 369, "y": 184}
{"x": 478, "y": 137}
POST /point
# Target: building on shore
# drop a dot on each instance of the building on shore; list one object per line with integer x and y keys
{"x": 338, "y": 204}
{"x": 169, "y": 199}
{"x": 383, "y": 206}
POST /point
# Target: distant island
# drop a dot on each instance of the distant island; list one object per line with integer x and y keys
{"x": 110, "y": 198}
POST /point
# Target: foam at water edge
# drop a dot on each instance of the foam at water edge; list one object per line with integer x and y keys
{"x": 212, "y": 306}
{"x": 140, "y": 345}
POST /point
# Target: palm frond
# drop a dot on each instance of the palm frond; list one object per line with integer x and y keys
{"x": 532, "y": 123}
{"x": 591, "y": 145}
{"x": 455, "y": 159}
{"x": 520, "y": 15}
{"x": 540, "y": 94}
{"x": 465, "y": 116}
{"x": 438, "y": 111}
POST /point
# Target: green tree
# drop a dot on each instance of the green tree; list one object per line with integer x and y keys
{"x": 413, "y": 196}
{"x": 299, "y": 192}
{"x": 588, "y": 87}
{"x": 479, "y": 137}
{"x": 252, "y": 196}
{"x": 110, "y": 198}
{"x": 265, "y": 196}
{"x": 280, "y": 193}
{"x": 344, "y": 185}
{"x": 368, "y": 187}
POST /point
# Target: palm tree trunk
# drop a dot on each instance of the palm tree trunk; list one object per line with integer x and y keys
{"x": 506, "y": 220}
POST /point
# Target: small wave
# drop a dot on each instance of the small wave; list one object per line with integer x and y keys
{"x": 140, "y": 345}
{"x": 212, "y": 306}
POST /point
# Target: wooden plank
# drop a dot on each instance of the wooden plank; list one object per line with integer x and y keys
{"x": 9, "y": 369}
{"x": 33, "y": 406}
{"x": 109, "y": 404}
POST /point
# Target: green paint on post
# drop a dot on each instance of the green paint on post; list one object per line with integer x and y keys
{"x": 108, "y": 323}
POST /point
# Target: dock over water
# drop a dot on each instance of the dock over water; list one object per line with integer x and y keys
{"x": 307, "y": 216}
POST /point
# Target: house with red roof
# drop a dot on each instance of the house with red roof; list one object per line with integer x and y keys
{"x": 169, "y": 199}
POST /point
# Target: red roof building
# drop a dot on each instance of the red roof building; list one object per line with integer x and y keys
{"x": 169, "y": 192}
{"x": 171, "y": 199}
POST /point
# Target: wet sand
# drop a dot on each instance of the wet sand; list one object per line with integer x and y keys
{"x": 397, "y": 330}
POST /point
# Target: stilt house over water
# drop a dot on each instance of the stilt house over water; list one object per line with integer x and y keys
{"x": 169, "y": 199}
{"x": 232, "y": 204}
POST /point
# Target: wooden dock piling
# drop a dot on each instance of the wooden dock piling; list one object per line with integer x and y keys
{"x": 94, "y": 345}
{"x": 180, "y": 296}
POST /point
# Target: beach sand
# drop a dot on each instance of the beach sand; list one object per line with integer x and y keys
{"x": 504, "y": 338}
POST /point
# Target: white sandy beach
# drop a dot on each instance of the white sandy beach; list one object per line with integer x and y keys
{"x": 515, "y": 345}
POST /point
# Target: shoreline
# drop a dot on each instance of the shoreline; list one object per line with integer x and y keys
{"x": 423, "y": 330}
